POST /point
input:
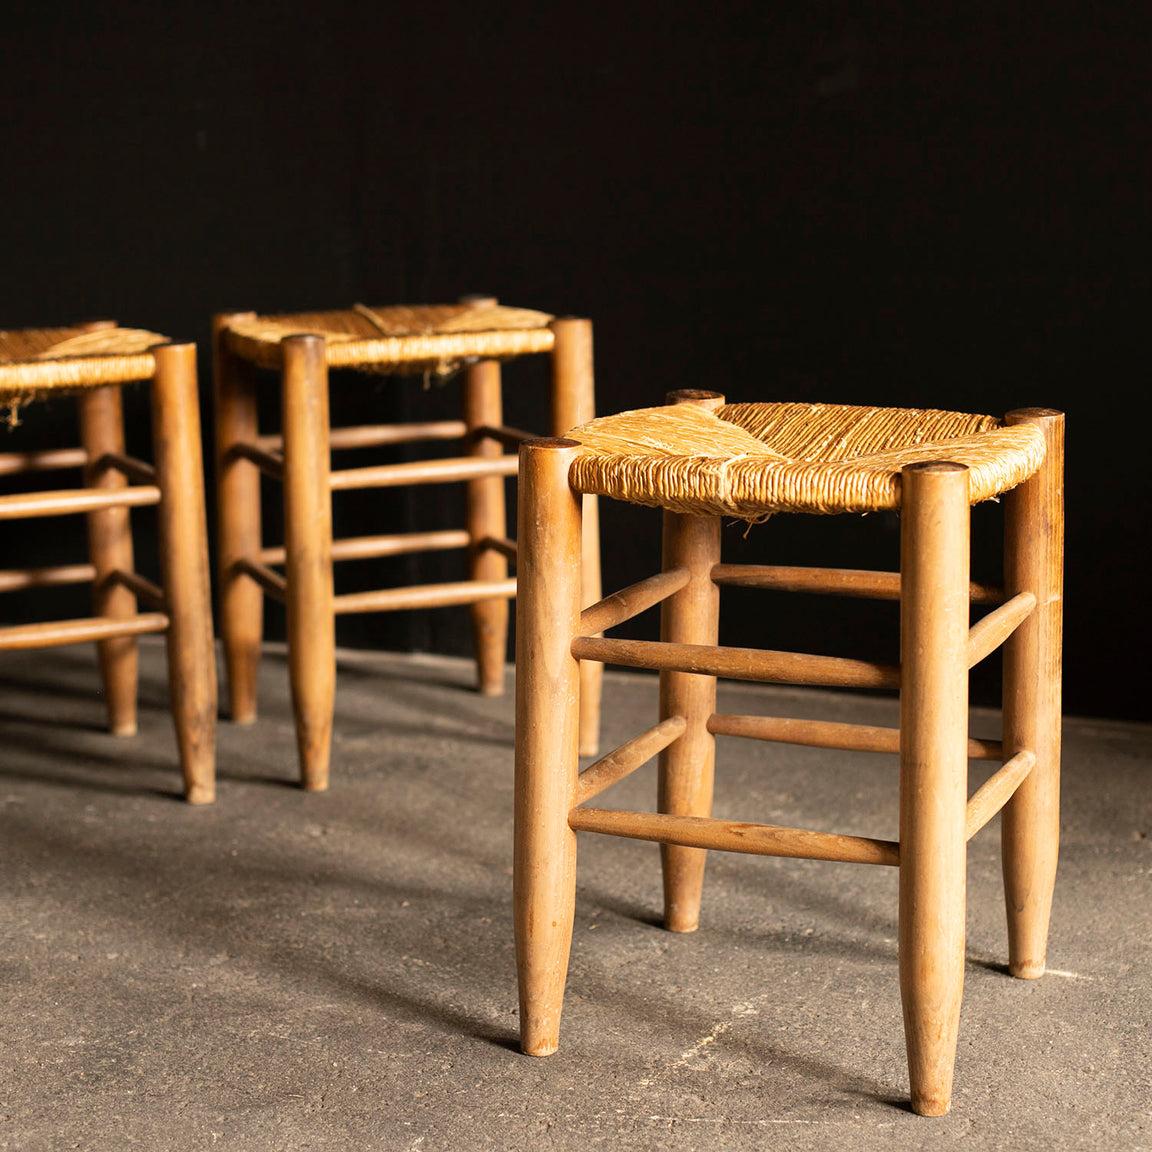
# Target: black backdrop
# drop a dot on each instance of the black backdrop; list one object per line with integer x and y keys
{"x": 775, "y": 201}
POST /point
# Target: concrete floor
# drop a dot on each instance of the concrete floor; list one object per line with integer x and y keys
{"x": 289, "y": 971}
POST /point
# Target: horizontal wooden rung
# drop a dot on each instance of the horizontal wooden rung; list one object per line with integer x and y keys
{"x": 831, "y": 581}
{"x": 395, "y": 544}
{"x": 379, "y": 435}
{"x": 828, "y": 734}
{"x": 444, "y": 471}
{"x": 29, "y": 505}
{"x": 54, "y": 633}
{"x": 47, "y": 460}
{"x": 996, "y": 791}
{"x": 15, "y": 579}
{"x": 425, "y": 596}
{"x": 728, "y": 836}
{"x": 986, "y": 635}
{"x": 631, "y": 601}
{"x": 738, "y": 663}
{"x": 614, "y": 767}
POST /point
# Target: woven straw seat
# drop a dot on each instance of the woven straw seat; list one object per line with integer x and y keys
{"x": 750, "y": 460}
{"x": 35, "y": 361}
{"x": 398, "y": 339}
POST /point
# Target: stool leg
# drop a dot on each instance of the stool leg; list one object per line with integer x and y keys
{"x": 487, "y": 520}
{"x": 238, "y": 512}
{"x": 690, "y": 616}
{"x": 1030, "y": 825}
{"x": 934, "y": 546}
{"x": 184, "y": 563}
{"x": 573, "y": 403}
{"x": 308, "y": 540}
{"x": 547, "y": 736}
{"x": 110, "y": 550}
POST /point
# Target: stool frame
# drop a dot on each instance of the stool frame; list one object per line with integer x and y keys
{"x": 938, "y": 647}
{"x": 182, "y": 608}
{"x": 300, "y": 458}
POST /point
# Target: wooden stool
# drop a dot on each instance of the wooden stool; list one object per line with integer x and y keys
{"x": 476, "y": 335}
{"x": 94, "y": 361}
{"x": 701, "y": 460}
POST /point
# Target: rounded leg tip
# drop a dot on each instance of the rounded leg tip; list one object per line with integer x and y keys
{"x": 539, "y": 1048}
{"x": 1029, "y": 970}
{"x": 681, "y": 924}
{"x": 127, "y": 729}
{"x": 931, "y": 1105}
{"x": 243, "y": 717}
{"x": 200, "y": 794}
{"x": 316, "y": 785}
{"x": 589, "y": 748}
{"x": 492, "y": 688}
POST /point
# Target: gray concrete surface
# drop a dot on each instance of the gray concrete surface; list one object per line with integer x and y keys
{"x": 289, "y": 971}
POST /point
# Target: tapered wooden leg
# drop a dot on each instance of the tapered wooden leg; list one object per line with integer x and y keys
{"x": 547, "y": 736}
{"x": 573, "y": 403}
{"x": 1030, "y": 825}
{"x": 184, "y": 564}
{"x": 487, "y": 520}
{"x": 308, "y": 541}
{"x": 110, "y": 550}
{"x": 933, "y": 772}
{"x": 238, "y": 515}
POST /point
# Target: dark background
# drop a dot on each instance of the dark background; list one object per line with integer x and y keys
{"x": 774, "y": 201}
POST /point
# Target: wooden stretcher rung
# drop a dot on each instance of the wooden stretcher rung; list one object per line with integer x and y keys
{"x": 445, "y": 471}
{"x": 728, "y": 836}
{"x": 503, "y": 435}
{"x": 829, "y": 734}
{"x": 15, "y": 579}
{"x": 986, "y": 635}
{"x": 47, "y": 460}
{"x": 501, "y": 544}
{"x": 138, "y": 471}
{"x": 631, "y": 601}
{"x": 64, "y": 502}
{"x": 271, "y": 464}
{"x": 853, "y": 582}
{"x": 425, "y": 596}
{"x": 996, "y": 791}
{"x": 54, "y": 633}
{"x": 150, "y": 593}
{"x": 371, "y": 547}
{"x": 268, "y": 579}
{"x": 379, "y": 435}
{"x": 615, "y": 766}
{"x": 738, "y": 663}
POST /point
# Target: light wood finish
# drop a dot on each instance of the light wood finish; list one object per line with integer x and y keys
{"x": 934, "y": 546}
{"x": 42, "y": 460}
{"x": 487, "y": 519}
{"x": 379, "y": 435}
{"x": 142, "y": 588}
{"x": 137, "y": 471}
{"x": 701, "y": 833}
{"x": 547, "y": 736}
{"x": 506, "y": 547}
{"x": 110, "y": 549}
{"x": 573, "y": 403}
{"x": 426, "y": 596}
{"x": 15, "y": 579}
{"x": 241, "y": 598}
{"x": 738, "y": 663}
{"x": 272, "y": 583}
{"x": 851, "y": 582}
{"x": 394, "y": 544}
{"x": 996, "y": 791}
{"x": 510, "y": 438}
{"x": 620, "y": 606}
{"x": 633, "y": 754}
{"x": 271, "y": 464}
{"x": 986, "y": 635}
{"x": 1030, "y": 827}
{"x": 308, "y": 541}
{"x": 71, "y": 501}
{"x": 829, "y": 734}
{"x": 184, "y": 564}
{"x": 447, "y": 471}
{"x": 56, "y": 633}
